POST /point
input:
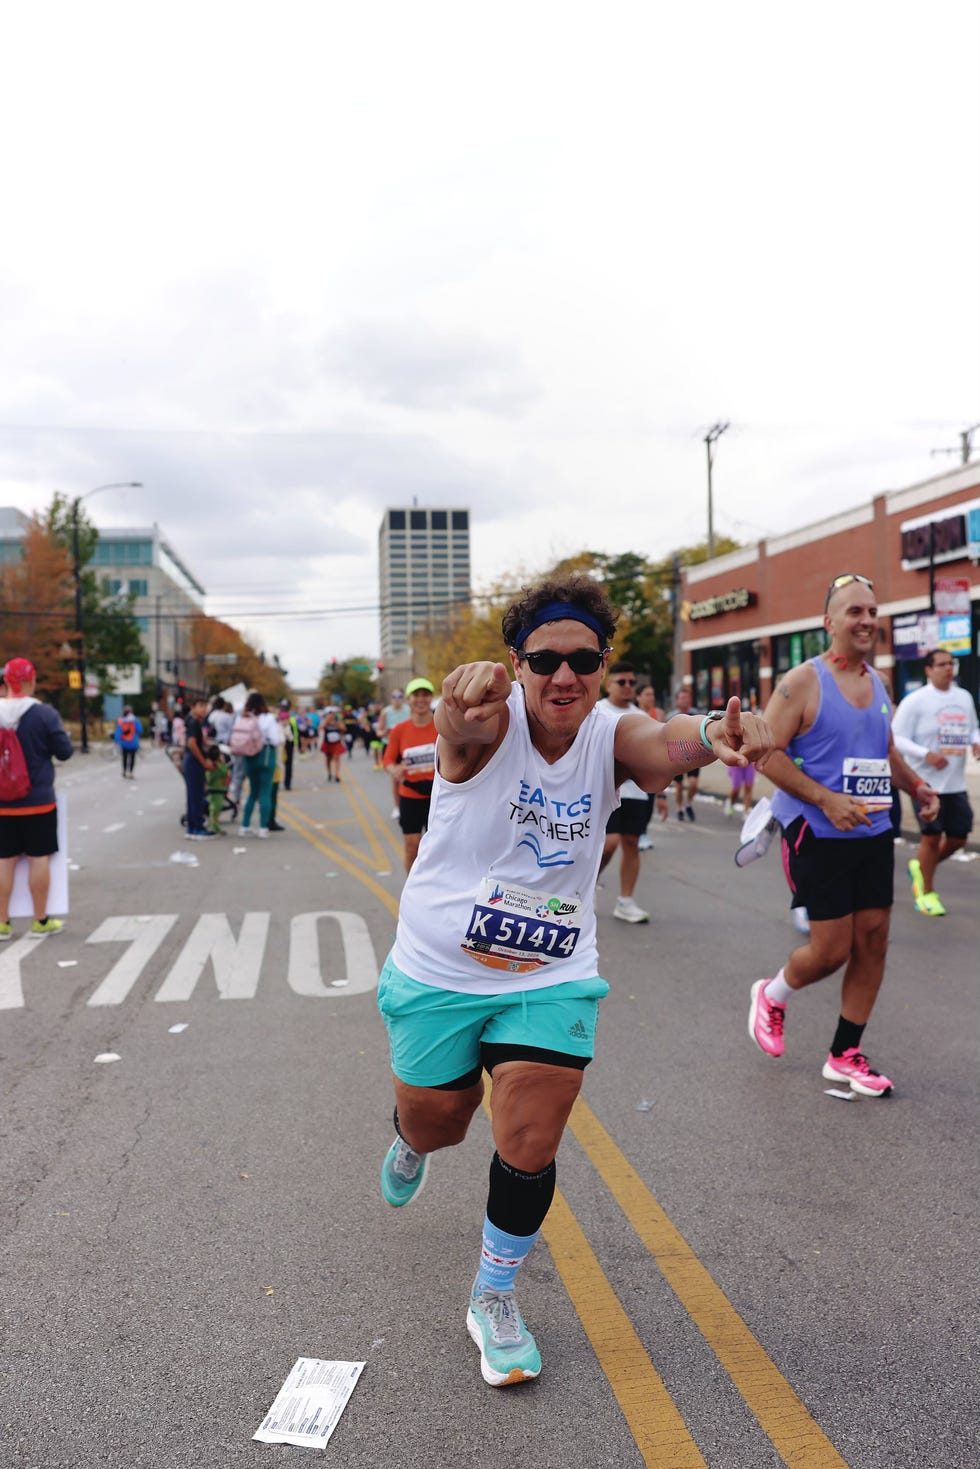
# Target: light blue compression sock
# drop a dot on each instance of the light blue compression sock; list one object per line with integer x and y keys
{"x": 501, "y": 1257}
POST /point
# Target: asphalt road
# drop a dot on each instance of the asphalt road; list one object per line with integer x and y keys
{"x": 740, "y": 1270}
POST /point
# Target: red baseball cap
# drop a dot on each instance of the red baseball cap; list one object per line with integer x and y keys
{"x": 18, "y": 672}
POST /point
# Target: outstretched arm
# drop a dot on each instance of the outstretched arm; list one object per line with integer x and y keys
{"x": 652, "y": 754}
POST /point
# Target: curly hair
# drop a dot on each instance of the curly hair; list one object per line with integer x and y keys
{"x": 581, "y": 591}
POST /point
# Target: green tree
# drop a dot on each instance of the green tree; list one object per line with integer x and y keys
{"x": 353, "y": 679}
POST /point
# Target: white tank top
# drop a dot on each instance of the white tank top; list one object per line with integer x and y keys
{"x": 501, "y": 894}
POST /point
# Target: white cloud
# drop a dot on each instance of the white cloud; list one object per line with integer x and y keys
{"x": 288, "y": 271}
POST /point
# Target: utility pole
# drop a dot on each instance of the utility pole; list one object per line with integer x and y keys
{"x": 711, "y": 438}
{"x": 966, "y": 445}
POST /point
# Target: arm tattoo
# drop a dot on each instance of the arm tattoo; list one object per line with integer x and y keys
{"x": 782, "y": 689}
{"x": 687, "y": 752}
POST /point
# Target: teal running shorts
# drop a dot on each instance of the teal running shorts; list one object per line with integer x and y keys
{"x": 436, "y": 1035}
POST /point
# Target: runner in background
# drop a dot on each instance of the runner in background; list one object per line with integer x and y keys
{"x": 684, "y": 704}
{"x": 410, "y": 758}
{"x": 937, "y": 725}
{"x": 833, "y": 769}
{"x": 126, "y": 735}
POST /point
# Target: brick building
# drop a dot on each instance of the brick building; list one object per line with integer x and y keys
{"x": 749, "y": 616}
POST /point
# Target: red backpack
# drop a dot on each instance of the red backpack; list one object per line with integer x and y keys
{"x": 15, "y": 781}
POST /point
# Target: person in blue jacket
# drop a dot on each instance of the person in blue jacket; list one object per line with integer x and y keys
{"x": 127, "y": 735}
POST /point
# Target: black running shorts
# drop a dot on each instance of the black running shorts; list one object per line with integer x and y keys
{"x": 832, "y": 877}
{"x": 955, "y": 817}
{"x": 34, "y": 835}
{"x": 413, "y": 814}
{"x": 630, "y": 817}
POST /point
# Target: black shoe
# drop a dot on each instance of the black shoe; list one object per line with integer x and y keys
{"x": 690, "y": 813}
{"x": 274, "y": 826}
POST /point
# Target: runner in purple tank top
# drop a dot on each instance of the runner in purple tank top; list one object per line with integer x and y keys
{"x": 833, "y": 769}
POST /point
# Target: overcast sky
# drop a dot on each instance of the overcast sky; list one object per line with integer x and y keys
{"x": 289, "y": 265}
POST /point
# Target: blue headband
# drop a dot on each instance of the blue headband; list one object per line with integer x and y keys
{"x": 560, "y": 612}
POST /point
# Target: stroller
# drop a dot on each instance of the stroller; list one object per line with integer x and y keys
{"x": 175, "y": 754}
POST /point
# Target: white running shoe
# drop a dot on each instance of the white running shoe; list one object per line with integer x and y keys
{"x": 645, "y": 844}
{"x": 629, "y": 911}
{"x": 395, "y": 814}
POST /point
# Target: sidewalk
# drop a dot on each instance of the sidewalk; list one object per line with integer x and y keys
{"x": 714, "y": 782}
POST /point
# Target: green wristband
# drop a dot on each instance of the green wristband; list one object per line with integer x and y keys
{"x": 704, "y": 724}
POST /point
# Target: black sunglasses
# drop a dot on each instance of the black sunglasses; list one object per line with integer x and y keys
{"x": 546, "y": 661}
{"x": 845, "y": 581}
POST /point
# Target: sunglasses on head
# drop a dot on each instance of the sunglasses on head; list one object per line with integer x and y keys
{"x": 844, "y": 581}
{"x": 546, "y": 661}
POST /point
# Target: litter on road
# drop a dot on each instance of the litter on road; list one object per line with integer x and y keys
{"x": 309, "y": 1403}
{"x": 104, "y": 1057}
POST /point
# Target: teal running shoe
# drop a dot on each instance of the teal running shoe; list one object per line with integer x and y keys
{"x": 508, "y": 1351}
{"x": 402, "y": 1174}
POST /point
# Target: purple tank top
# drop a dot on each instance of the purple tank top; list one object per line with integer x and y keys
{"x": 840, "y": 737}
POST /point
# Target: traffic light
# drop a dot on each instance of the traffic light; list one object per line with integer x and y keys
{"x": 333, "y": 665}
{"x": 381, "y": 665}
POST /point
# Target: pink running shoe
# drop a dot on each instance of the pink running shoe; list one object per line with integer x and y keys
{"x": 853, "y": 1067}
{"x": 766, "y": 1020}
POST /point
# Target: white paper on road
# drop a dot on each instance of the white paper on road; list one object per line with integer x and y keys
{"x": 104, "y": 1057}
{"x": 176, "y": 1029}
{"x": 309, "y": 1403}
{"x": 831, "y": 1091}
{"x": 21, "y": 903}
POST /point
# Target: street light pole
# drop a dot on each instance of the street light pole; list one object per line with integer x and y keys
{"x": 130, "y": 484}
{"x": 714, "y": 433}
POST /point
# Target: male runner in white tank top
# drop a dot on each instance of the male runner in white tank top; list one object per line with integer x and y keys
{"x": 494, "y": 964}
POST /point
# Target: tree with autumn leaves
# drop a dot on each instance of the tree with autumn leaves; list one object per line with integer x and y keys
{"x": 37, "y": 605}
{"x": 238, "y": 661}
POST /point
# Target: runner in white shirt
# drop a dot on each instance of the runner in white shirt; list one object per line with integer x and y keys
{"x": 935, "y": 726}
{"x": 627, "y": 824}
{"x": 494, "y": 964}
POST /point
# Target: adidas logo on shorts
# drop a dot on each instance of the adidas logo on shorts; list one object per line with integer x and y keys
{"x": 578, "y": 1031}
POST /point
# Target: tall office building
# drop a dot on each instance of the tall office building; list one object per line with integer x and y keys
{"x": 424, "y": 558}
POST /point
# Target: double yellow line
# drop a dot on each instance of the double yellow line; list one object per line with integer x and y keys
{"x": 365, "y": 866}
{"x": 651, "y": 1415}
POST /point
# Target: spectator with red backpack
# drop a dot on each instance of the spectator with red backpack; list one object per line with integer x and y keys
{"x": 126, "y": 735}
{"x": 31, "y": 735}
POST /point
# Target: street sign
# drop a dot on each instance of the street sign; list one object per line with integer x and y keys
{"x": 125, "y": 678}
{"x": 74, "y": 679}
